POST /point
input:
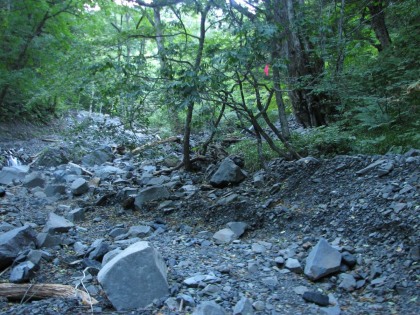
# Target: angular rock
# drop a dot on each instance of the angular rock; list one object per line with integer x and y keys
{"x": 150, "y": 194}
{"x": 316, "y": 297}
{"x": 14, "y": 241}
{"x": 57, "y": 224}
{"x": 10, "y": 174}
{"x": 22, "y": 272}
{"x": 54, "y": 157}
{"x": 76, "y": 215}
{"x": 209, "y": 308}
{"x": 140, "y": 231}
{"x": 322, "y": 261}
{"x": 100, "y": 249}
{"x": 227, "y": 173}
{"x": 195, "y": 281}
{"x": 348, "y": 283}
{"x": 109, "y": 255}
{"x": 293, "y": 265}
{"x": 238, "y": 228}
{"x": 224, "y": 236}
{"x": 2, "y": 192}
{"x": 52, "y": 190}
{"x": 34, "y": 179}
{"x": 135, "y": 277}
{"x": 98, "y": 157}
{"x": 243, "y": 307}
{"x": 79, "y": 187}
{"x": 349, "y": 259}
{"x": 48, "y": 240}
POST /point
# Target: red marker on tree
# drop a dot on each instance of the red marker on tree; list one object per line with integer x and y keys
{"x": 266, "y": 69}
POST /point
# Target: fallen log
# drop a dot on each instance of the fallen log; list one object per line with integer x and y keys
{"x": 28, "y": 291}
{"x": 153, "y": 144}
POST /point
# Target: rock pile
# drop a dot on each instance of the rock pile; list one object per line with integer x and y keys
{"x": 303, "y": 237}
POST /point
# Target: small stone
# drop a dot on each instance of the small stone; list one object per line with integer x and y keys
{"x": 349, "y": 259}
{"x": 22, "y": 272}
{"x": 300, "y": 289}
{"x": 279, "y": 261}
{"x": 243, "y": 307}
{"x": 209, "y": 308}
{"x": 316, "y": 297}
{"x": 293, "y": 265}
{"x": 76, "y": 215}
{"x": 348, "y": 283}
{"x": 57, "y": 224}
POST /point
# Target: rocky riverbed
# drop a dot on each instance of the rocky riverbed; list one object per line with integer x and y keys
{"x": 314, "y": 236}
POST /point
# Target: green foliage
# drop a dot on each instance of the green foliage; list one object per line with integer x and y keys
{"x": 247, "y": 149}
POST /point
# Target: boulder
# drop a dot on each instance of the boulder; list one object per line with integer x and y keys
{"x": 225, "y": 236}
{"x": 98, "y": 157}
{"x": 238, "y": 228}
{"x": 150, "y": 194}
{"x": 135, "y": 277}
{"x": 79, "y": 187}
{"x": 52, "y": 190}
{"x": 54, "y": 157}
{"x": 228, "y": 173}
{"x": 13, "y": 242}
{"x": 57, "y": 224}
{"x": 10, "y": 174}
{"x": 209, "y": 308}
{"x": 34, "y": 179}
{"x": 322, "y": 260}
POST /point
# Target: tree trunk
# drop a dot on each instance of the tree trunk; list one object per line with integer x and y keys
{"x": 190, "y": 108}
{"x": 376, "y": 9}
{"x": 303, "y": 65}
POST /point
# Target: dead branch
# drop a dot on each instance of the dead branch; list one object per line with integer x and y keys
{"x": 82, "y": 168}
{"x": 30, "y": 291}
{"x": 153, "y": 144}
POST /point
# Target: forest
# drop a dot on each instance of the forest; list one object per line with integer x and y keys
{"x": 347, "y": 69}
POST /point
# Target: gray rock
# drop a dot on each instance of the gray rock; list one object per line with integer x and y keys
{"x": 52, "y": 190}
{"x": 270, "y": 281}
{"x": 98, "y": 157}
{"x": 196, "y": 280}
{"x": 2, "y": 192}
{"x": 109, "y": 255}
{"x": 140, "y": 231}
{"x": 209, "y": 308}
{"x": 22, "y": 272}
{"x": 316, "y": 297}
{"x": 48, "y": 240}
{"x": 57, "y": 224}
{"x": 14, "y": 241}
{"x": 322, "y": 261}
{"x": 117, "y": 232}
{"x": 100, "y": 248}
{"x": 243, "y": 307}
{"x": 227, "y": 173}
{"x": 79, "y": 187}
{"x": 76, "y": 215}
{"x": 105, "y": 171}
{"x": 34, "y": 179}
{"x": 348, "y": 283}
{"x": 349, "y": 259}
{"x": 293, "y": 265}
{"x": 10, "y": 174}
{"x": 150, "y": 194}
{"x": 80, "y": 248}
{"x": 238, "y": 228}
{"x": 135, "y": 277}
{"x": 54, "y": 157}
{"x": 35, "y": 256}
{"x": 225, "y": 236}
